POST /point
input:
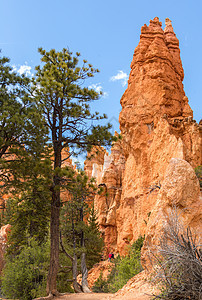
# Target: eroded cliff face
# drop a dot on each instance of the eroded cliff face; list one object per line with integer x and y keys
{"x": 179, "y": 194}
{"x": 108, "y": 202}
{"x": 108, "y": 171}
{"x": 94, "y": 164}
{"x": 157, "y": 125}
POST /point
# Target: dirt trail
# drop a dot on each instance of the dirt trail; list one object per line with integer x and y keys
{"x": 90, "y": 296}
{"x": 103, "y": 296}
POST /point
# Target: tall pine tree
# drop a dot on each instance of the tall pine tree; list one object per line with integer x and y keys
{"x": 61, "y": 94}
{"x": 23, "y": 136}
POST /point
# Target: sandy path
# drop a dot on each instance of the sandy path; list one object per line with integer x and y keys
{"x": 90, "y": 296}
{"x": 102, "y": 296}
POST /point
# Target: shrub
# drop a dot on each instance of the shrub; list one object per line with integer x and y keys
{"x": 180, "y": 262}
{"x": 24, "y": 276}
{"x": 198, "y": 171}
{"x": 100, "y": 285}
{"x": 124, "y": 269}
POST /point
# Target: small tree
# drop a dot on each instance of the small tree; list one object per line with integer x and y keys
{"x": 198, "y": 171}
{"x": 80, "y": 233}
{"x": 94, "y": 242}
{"x": 65, "y": 105}
{"x": 29, "y": 212}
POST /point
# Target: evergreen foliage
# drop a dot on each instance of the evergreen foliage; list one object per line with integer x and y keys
{"x": 24, "y": 276}
{"x": 65, "y": 102}
{"x": 50, "y": 111}
{"x": 124, "y": 269}
{"x": 21, "y": 122}
{"x": 101, "y": 285}
{"x": 79, "y": 222}
{"x": 24, "y": 153}
{"x": 60, "y": 93}
{"x": 198, "y": 171}
{"x": 93, "y": 242}
{"x": 28, "y": 210}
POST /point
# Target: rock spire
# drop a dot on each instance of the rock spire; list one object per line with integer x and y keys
{"x": 157, "y": 126}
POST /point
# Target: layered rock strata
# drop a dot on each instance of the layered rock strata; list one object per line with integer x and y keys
{"x": 108, "y": 202}
{"x": 108, "y": 171}
{"x": 94, "y": 164}
{"x": 157, "y": 125}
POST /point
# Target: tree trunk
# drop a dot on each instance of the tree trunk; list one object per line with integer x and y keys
{"x": 76, "y": 285}
{"x": 51, "y": 287}
{"x": 84, "y": 269}
{"x": 84, "y": 272}
{"x": 54, "y": 237}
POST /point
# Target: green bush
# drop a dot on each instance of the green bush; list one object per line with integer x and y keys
{"x": 198, "y": 171}
{"x": 24, "y": 276}
{"x": 124, "y": 269}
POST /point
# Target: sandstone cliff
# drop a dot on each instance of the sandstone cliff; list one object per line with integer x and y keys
{"x": 157, "y": 125}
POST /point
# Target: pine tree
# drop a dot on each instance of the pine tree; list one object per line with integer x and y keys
{"x": 24, "y": 157}
{"x": 22, "y": 131}
{"x": 94, "y": 242}
{"x": 79, "y": 227}
{"x": 28, "y": 211}
{"x": 21, "y": 122}
{"x": 65, "y": 104}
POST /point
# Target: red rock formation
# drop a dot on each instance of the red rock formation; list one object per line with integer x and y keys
{"x": 179, "y": 189}
{"x": 103, "y": 267}
{"x": 3, "y": 240}
{"x": 93, "y": 165}
{"x": 157, "y": 125}
{"x": 108, "y": 171}
{"x": 138, "y": 287}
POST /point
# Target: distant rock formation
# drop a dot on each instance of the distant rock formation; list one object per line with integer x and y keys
{"x": 3, "y": 240}
{"x": 156, "y": 125}
{"x": 94, "y": 164}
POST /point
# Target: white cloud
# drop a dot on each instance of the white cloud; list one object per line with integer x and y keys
{"x": 98, "y": 88}
{"x": 122, "y": 76}
{"x": 23, "y": 69}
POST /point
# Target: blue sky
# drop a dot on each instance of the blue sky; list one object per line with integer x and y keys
{"x": 106, "y": 34}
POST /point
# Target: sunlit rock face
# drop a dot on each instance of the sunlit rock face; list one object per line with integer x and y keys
{"x": 156, "y": 125}
{"x": 179, "y": 195}
{"x": 108, "y": 171}
{"x": 4, "y": 231}
{"x": 94, "y": 163}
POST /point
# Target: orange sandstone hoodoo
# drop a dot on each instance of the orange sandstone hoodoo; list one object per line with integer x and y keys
{"x": 156, "y": 125}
